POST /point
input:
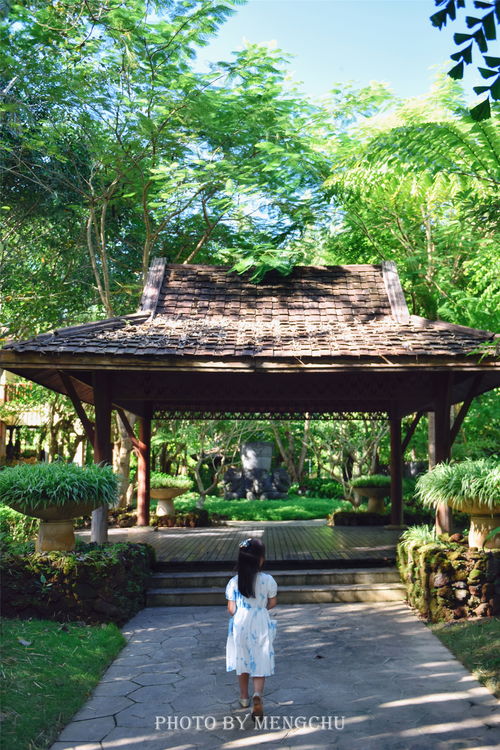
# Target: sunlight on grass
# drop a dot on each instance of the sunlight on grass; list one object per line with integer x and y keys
{"x": 290, "y": 508}
{"x": 48, "y": 672}
{"x": 476, "y": 643}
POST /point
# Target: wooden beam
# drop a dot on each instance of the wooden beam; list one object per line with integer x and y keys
{"x": 103, "y": 449}
{"x": 143, "y": 471}
{"x": 394, "y": 290}
{"x": 88, "y": 425}
{"x": 465, "y": 408}
{"x": 396, "y": 471}
{"x": 411, "y": 429}
{"x": 152, "y": 286}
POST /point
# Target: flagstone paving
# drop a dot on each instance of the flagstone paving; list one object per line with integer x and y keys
{"x": 375, "y": 676}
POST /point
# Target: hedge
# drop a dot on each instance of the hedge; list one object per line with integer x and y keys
{"x": 95, "y": 584}
{"x": 362, "y": 517}
{"x": 447, "y": 581}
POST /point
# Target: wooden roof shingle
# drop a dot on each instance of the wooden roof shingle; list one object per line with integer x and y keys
{"x": 315, "y": 312}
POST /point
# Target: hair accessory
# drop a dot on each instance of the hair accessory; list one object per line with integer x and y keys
{"x": 245, "y": 543}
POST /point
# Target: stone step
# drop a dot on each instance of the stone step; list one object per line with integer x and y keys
{"x": 292, "y": 563}
{"x": 323, "y": 577}
{"x": 307, "y": 594}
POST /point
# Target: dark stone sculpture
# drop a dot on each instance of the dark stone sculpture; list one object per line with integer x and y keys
{"x": 255, "y": 480}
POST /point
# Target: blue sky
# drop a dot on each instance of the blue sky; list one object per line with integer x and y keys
{"x": 342, "y": 40}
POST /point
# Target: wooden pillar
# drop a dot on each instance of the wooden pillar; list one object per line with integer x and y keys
{"x": 396, "y": 472}
{"x": 3, "y": 442}
{"x": 3, "y": 428}
{"x": 143, "y": 471}
{"x": 103, "y": 449}
{"x": 440, "y": 445}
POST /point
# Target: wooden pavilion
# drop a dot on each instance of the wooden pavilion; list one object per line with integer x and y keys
{"x": 328, "y": 341}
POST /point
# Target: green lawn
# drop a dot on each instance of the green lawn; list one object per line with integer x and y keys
{"x": 291, "y": 508}
{"x": 476, "y": 643}
{"x": 48, "y": 672}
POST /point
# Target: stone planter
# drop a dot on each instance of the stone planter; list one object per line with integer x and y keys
{"x": 375, "y": 497}
{"x": 56, "y": 524}
{"x": 165, "y": 497}
{"x": 482, "y": 521}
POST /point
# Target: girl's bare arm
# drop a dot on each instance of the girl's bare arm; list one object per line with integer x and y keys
{"x": 231, "y": 605}
{"x": 272, "y": 602}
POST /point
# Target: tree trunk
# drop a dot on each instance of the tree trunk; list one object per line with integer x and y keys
{"x": 121, "y": 458}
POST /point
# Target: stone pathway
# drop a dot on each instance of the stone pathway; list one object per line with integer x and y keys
{"x": 372, "y": 673}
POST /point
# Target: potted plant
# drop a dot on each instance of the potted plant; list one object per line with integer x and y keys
{"x": 164, "y": 487}
{"x": 57, "y": 493}
{"x": 375, "y": 487}
{"x": 472, "y": 487}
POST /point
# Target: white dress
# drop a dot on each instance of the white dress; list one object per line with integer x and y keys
{"x": 251, "y": 631}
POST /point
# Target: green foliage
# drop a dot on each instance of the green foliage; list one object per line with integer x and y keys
{"x": 93, "y": 583}
{"x": 52, "y": 669}
{"x": 17, "y": 526}
{"x": 288, "y": 509}
{"x": 38, "y": 485}
{"x": 459, "y": 484}
{"x": 321, "y": 487}
{"x": 135, "y": 152}
{"x": 416, "y": 536}
{"x": 159, "y": 480}
{"x": 483, "y": 29}
{"x": 419, "y": 185}
{"x": 371, "y": 480}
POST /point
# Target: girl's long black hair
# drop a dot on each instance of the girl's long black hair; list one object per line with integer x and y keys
{"x": 251, "y": 552}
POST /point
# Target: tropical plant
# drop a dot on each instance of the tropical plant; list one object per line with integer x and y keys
{"x": 419, "y": 185}
{"x": 159, "y": 480}
{"x": 462, "y": 484}
{"x": 57, "y": 484}
{"x": 416, "y": 536}
{"x": 482, "y": 30}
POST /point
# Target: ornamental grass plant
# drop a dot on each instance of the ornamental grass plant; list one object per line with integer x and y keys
{"x": 159, "y": 480}
{"x": 463, "y": 483}
{"x": 39, "y": 485}
{"x": 371, "y": 480}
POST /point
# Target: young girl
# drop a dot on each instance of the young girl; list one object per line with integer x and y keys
{"x": 251, "y": 632}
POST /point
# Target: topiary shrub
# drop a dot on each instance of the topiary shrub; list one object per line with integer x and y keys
{"x": 93, "y": 583}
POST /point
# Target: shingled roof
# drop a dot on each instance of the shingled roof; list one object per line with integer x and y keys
{"x": 315, "y": 312}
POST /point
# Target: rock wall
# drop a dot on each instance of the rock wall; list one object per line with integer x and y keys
{"x": 450, "y": 582}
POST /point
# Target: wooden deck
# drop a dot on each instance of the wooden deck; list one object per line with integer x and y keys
{"x": 288, "y": 545}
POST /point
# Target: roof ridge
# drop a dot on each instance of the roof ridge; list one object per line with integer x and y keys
{"x": 230, "y": 268}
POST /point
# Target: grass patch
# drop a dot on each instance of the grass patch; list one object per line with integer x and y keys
{"x": 291, "y": 508}
{"x": 475, "y": 644}
{"x": 44, "y": 683}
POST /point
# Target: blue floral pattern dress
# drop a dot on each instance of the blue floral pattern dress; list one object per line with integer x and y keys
{"x": 251, "y": 631}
